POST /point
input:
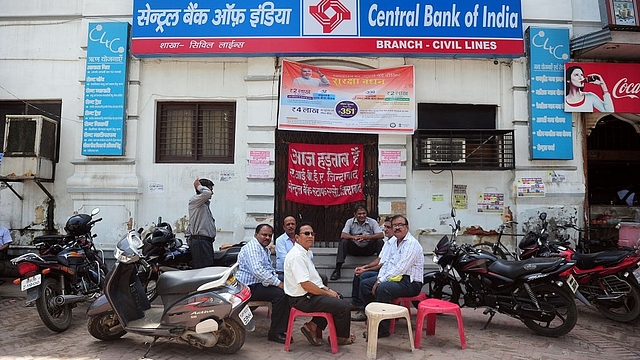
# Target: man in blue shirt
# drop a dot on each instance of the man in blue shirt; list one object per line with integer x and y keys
{"x": 257, "y": 272}
{"x": 5, "y": 240}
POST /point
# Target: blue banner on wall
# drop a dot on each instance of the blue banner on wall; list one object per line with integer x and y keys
{"x": 105, "y": 89}
{"x": 289, "y": 27}
{"x": 551, "y": 130}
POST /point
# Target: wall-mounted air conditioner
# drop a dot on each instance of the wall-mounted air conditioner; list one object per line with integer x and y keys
{"x": 442, "y": 150}
{"x": 29, "y": 147}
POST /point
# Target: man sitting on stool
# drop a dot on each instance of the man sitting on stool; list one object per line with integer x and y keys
{"x": 361, "y": 236}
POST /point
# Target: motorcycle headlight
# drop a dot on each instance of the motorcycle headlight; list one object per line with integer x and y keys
{"x": 436, "y": 258}
{"x": 128, "y": 249}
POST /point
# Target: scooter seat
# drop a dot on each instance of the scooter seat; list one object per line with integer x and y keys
{"x": 515, "y": 269}
{"x": 186, "y": 281}
{"x": 602, "y": 258}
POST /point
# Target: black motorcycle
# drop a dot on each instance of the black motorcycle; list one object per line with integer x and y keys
{"x": 67, "y": 270}
{"x": 533, "y": 291}
{"x": 162, "y": 252}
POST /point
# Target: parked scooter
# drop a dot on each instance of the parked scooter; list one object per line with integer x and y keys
{"x": 205, "y": 308}
{"x": 606, "y": 278}
{"x": 162, "y": 252}
{"x": 68, "y": 269}
{"x": 534, "y": 291}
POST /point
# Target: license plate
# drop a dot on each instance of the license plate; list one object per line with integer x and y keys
{"x": 245, "y": 315}
{"x": 30, "y": 282}
{"x": 573, "y": 283}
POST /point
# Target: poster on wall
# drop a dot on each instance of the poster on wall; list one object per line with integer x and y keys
{"x": 602, "y": 87}
{"x": 625, "y": 12}
{"x": 325, "y": 174}
{"x": 551, "y": 128}
{"x": 530, "y": 187}
{"x": 490, "y": 202}
{"x": 460, "y": 201}
{"x": 479, "y": 28}
{"x": 390, "y": 164}
{"x": 258, "y": 164}
{"x": 379, "y": 101}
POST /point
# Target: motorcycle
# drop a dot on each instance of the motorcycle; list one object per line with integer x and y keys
{"x": 205, "y": 308}
{"x": 68, "y": 269}
{"x": 534, "y": 291}
{"x": 605, "y": 278}
{"x": 162, "y": 252}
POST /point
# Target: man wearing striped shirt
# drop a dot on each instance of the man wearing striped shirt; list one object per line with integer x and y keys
{"x": 257, "y": 272}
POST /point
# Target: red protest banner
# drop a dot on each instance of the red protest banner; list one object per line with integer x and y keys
{"x": 325, "y": 174}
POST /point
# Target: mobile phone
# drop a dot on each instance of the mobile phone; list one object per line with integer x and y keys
{"x": 592, "y": 78}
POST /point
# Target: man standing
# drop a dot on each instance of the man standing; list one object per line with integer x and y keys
{"x": 307, "y": 293}
{"x": 366, "y": 271}
{"x": 361, "y": 236}
{"x": 401, "y": 274}
{"x": 202, "y": 225}
{"x": 5, "y": 240}
{"x": 256, "y": 271}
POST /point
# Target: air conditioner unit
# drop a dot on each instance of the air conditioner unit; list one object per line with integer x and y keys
{"x": 442, "y": 150}
{"x": 29, "y": 147}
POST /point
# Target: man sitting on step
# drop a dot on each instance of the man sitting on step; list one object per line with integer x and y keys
{"x": 361, "y": 236}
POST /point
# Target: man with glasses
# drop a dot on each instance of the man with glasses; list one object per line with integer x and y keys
{"x": 366, "y": 271}
{"x": 401, "y": 273}
{"x": 256, "y": 271}
{"x": 361, "y": 236}
{"x": 303, "y": 285}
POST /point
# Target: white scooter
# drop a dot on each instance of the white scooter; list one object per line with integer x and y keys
{"x": 206, "y": 308}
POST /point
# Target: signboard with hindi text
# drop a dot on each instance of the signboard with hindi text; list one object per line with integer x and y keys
{"x": 325, "y": 174}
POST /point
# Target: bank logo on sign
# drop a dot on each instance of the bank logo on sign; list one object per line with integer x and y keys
{"x": 330, "y": 17}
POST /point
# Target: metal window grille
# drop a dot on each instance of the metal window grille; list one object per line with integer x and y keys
{"x": 463, "y": 149}
{"x": 195, "y": 132}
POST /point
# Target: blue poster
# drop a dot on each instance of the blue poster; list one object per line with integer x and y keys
{"x": 551, "y": 130}
{"x": 105, "y": 89}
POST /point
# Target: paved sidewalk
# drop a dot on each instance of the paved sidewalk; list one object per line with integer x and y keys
{"x": 594, "y": 338}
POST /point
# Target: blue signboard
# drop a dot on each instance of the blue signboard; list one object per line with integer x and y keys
{"x": 551, "y": 130}
{"x": 105, "y": 89}
{"x": 391, "y": 27}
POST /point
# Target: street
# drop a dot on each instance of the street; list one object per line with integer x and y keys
{"x": 594, "y": 337}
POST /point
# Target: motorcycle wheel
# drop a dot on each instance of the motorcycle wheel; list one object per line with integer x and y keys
{"x": 558, "y": 303}
{"x": 489, "y": 248}
{"x": 56, "y": 318}
{"x": 441, "y": 287}
{"x": 105, "y": 327}
{"x": 231, "y": 336}
{"x": 624, "y": 309}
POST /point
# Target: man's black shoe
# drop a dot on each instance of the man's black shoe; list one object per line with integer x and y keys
{"x": 335, "y": 275}
{"x": 279, "y": 338}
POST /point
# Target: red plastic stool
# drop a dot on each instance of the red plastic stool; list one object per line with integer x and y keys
{"x": 333, "y": 336}
{"x": 430, "y": 308}
{"x": 406, "y": 302}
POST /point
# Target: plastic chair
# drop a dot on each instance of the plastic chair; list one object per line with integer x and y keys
{"x": 406, "y": 302}
{"x": 333, "y": 336}
{"x": 377, "y": 312}
{"x": 262, "y": 303}
{"x": 430, "y": 308}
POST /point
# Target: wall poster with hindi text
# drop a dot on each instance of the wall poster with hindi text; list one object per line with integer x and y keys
{"x": 379, "y": 101}
{"x": 325, "y": 174}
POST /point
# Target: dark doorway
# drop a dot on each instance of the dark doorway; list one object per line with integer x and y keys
{"x": 327, "y": 221}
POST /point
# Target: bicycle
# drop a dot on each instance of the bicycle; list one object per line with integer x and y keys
{"x": 584, "y": 244}
{"x": 498, "y": 248}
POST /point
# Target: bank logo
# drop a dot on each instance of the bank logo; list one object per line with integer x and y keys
{"x": 330, "y": 17}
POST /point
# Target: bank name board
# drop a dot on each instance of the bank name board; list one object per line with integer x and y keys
{"x": 320, "y": 27}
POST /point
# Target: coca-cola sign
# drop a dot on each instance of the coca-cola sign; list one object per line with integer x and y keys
{"x": 602, "y": 87}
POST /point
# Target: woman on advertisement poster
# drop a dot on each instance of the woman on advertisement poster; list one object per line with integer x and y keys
{"x": 577, "y": 100}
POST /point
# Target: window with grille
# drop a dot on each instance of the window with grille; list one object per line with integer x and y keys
{"x": 188, "y": 132}
{"x": 461, "y": 136}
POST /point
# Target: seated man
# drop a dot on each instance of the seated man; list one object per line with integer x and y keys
{"x": 368, "y": 270}
{"x": 361, "y": 236}
{"x": 256, "y": 271}
{"x": 284, "y": 243}
{"x": 306, "y": 292}
{"x": 400, "y": 275}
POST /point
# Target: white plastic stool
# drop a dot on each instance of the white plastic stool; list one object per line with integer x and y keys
{"x": 377, "y": 312}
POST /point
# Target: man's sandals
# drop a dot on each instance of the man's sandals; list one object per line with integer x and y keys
{"x": 317, "y": 339}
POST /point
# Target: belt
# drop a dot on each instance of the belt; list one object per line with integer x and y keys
{"x": 202, "y": 237}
